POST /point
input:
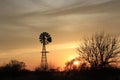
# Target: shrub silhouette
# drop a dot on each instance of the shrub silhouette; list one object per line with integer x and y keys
{"x": 69, "y": 66}
{"x": 13, "y": 68}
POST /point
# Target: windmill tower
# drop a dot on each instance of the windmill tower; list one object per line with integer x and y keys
{"x": 45, "y": 39}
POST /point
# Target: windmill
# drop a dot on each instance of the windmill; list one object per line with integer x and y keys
{"x": 45, "y": 39}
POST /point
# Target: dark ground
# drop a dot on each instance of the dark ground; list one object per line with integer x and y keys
{"x": 90, "y": 74}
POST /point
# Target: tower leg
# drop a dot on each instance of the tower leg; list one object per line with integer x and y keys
{"x": 44, "y": 64}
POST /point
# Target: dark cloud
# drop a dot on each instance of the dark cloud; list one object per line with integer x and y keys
{"x": 15, "y": 7}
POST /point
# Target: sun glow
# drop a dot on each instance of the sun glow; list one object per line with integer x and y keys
{"x": 76, "y": 63}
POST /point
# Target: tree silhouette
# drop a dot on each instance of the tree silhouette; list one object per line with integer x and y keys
{"x": 69, "y": 66}
{"x": 100, "y": 50}
{"x": 16, "y": 65}
{"x": 13, "y": 66}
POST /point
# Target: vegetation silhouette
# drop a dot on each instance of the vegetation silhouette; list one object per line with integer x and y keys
{"x": 98, "y": 54}
{"x": 100, "y": 50}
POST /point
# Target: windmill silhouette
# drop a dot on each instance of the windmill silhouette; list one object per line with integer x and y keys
{"x": 45, "y": 39}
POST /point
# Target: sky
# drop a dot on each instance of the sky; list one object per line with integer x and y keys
{"x": 67, "y": 21}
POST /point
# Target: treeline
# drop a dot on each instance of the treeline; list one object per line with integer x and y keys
{"x": 15, "y": 70}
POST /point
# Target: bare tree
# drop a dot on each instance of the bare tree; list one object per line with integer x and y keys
{"x": 100, "y": 50}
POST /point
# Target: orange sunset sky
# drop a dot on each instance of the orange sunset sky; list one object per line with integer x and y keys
{"x": 67, "y": 21}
